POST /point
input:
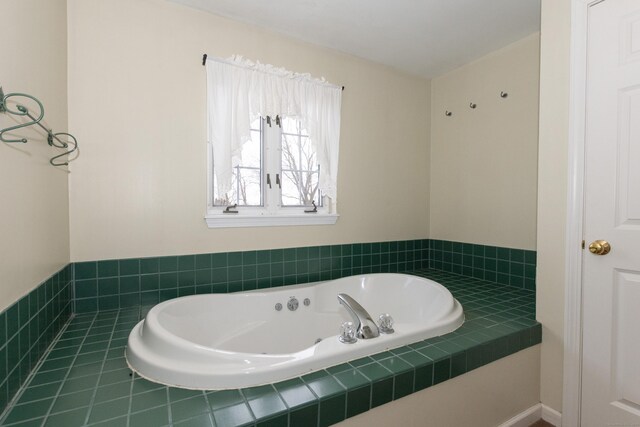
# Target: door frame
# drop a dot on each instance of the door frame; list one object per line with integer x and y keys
{"x": 573, "y": 320}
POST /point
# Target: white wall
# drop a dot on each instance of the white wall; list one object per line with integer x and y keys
{"x": 34, "y": 226}
{"x": 552, "y": 195}
{"x": 484, "y": 160}
{"x": 137, "y": 101}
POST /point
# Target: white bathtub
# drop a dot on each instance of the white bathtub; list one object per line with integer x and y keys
{"x": 226, "y": 341}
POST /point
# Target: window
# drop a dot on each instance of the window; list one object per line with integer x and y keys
{"x": 276, "y": 169}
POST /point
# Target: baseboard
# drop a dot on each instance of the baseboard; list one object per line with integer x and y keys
{"x": 533, "y": 414}
{"x": 551, "y": 416}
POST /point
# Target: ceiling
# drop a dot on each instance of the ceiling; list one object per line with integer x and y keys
{"x": 423, "y": 37}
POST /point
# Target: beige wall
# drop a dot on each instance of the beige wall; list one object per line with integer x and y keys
{"x": 34, "y": 230}
{"x": 552, "y": 196}
{"x": 485, "y": 397}
{"x": 137, "y": 101}
{"x": 484, "y": 160}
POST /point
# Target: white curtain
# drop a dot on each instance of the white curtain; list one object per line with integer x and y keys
{"x": 239, "y": 91}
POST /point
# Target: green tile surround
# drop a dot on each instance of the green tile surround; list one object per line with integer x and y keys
{"x": 123, "y": 283}
{"x": 111, "y": 284}
{"x": 506, "y": 266}
{"x": 83, "y": 379}
{"x": 29, "y": 326}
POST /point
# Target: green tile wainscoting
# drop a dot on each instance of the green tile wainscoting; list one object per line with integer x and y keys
{"x": 29, "y": 326}
{"x": 506, "y": 266}
{"x": 84, "y": 380}
{"x": 112, "y": 284}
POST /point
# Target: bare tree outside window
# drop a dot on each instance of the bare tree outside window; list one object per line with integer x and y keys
{"x": 300, "y": 170}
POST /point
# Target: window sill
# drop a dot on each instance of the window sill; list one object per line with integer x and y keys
{"x": 237, "y": 220}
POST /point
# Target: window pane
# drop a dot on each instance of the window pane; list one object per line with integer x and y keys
{"x": 299, "y": 188}
{"x": 248, "y": 186}
{"x": 300, "y": 169}
{"x": 290, "y": 152}
{"x": 246, "y": 189}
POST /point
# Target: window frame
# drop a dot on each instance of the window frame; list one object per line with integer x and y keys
{"x": 271, "y": 213}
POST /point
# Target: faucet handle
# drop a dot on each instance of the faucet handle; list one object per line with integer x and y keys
{"x": 385, "y": 322}
{"x": 347, "y": 333}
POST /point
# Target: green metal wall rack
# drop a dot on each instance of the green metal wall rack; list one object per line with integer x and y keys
{"x": 69, "y": 144}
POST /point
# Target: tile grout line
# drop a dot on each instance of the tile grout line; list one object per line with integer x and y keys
{"x": 72, "y": 283}
{"x": 317, "y": 398}
{"x": 246, "y": 402}
{"x": 44, "y": 419}
{"x": 104, "y": 359}
{"x": 170, "y": 412}
{"x": 132, "y": 378}
{"x": 209, "y": 410}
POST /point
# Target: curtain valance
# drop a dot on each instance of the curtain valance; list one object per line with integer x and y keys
{"x": 239, "y": 91}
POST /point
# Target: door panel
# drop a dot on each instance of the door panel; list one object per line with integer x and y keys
{"x": 628, "y": 191}
{"x": 611, "y": 283}
{"x": 630, "y": 38}
{"x": 625, "y": 345}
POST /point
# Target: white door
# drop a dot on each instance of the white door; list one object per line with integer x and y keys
{"x": 611, "y": 283}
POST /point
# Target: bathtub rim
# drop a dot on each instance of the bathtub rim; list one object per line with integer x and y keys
{"x": 444, "y": 325}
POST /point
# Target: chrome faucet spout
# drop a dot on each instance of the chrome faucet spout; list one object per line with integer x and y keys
{"x": 366, "y": 328}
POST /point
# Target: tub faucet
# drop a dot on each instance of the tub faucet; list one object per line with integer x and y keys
{"x": 366, "y": 328}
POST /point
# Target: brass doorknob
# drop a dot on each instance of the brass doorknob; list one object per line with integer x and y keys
{"x": 600, "y": 247}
